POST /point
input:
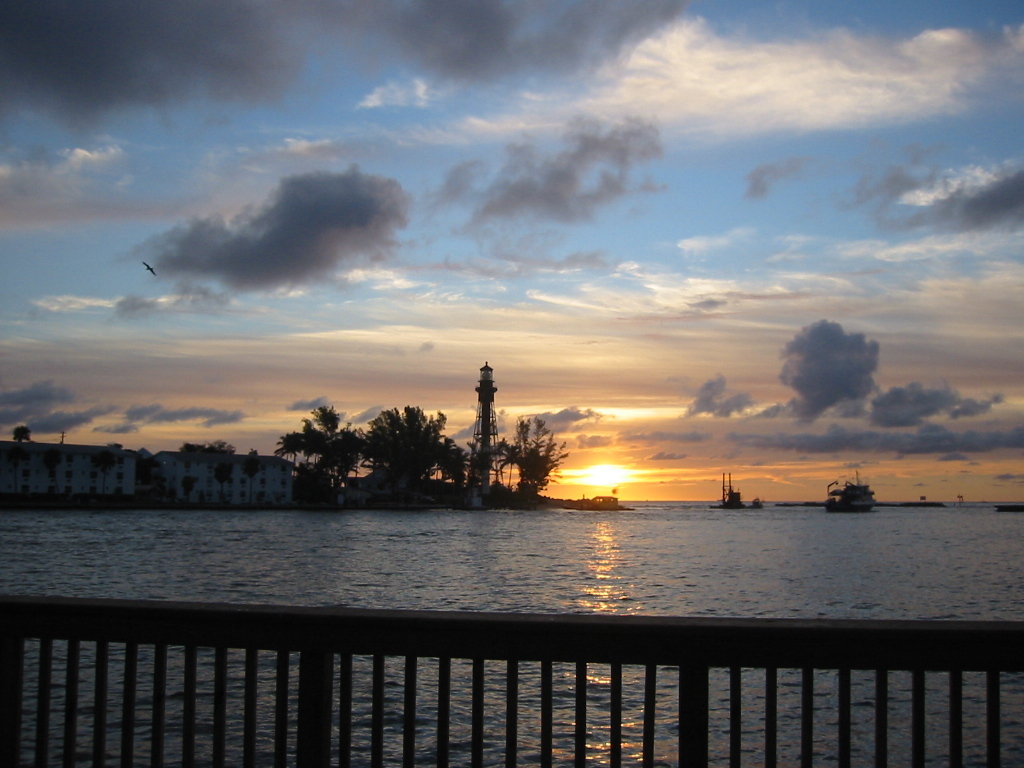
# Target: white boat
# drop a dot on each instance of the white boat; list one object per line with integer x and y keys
{"x": 849, "y": 497}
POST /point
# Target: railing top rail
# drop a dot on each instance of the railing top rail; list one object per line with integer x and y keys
{"x": 822, "y": 643}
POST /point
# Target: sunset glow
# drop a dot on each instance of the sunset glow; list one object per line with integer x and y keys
{"x": 778, "y": 240}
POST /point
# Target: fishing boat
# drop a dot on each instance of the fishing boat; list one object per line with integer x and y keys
{"x": 849, "y": 497}
{"x": 731, "y": 498}
{"x": 597, "y": 503}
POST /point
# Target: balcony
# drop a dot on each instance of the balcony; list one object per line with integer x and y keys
{"x": 110, "y": 682}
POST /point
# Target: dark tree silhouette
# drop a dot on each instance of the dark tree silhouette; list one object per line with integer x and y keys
{"x": 222, "y": 473}
{"x": 407, "y": 444}
{"x": 52, "y": 458}
{"x": 251, "y": 468}
{"x": 535, "y": 454}
{"x": 330, "y": 453}
{"x": 22, "y": 434}
{"x": 217, "y": 446}
{"x": 15, "y": 455}
{"x": 188, "y": 482}
{"x": 104, "y": 461}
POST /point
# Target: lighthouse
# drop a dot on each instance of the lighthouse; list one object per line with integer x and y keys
{"x": 485, "y": 431}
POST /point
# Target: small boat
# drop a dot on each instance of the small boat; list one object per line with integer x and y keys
{"x": 1009, "y": 507}
{"x": 731, "y": 498}
{"x": 850, "y": 497}
{"x": 597, "y": 503}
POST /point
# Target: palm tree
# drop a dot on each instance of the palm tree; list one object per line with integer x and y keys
{"x": 51, "y": 458}
{"x": 15, "y": 455}
{"x": 188, "y": 482}
{"x": 251, "y": 467}
{"x": 104, "y": 461}
{"x": 222, "y": 473}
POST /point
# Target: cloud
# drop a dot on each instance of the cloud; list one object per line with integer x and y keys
{"x": 158, "y": 414}
{"x": 970, "y": 199}
{"x": 79, "y": 60}
{"x": 665, "y": 456}
{"x": 930, "y": 438}
{"x": 594, "y": 441}
{"x": 711, "y": 399}
{"x": 764, "y": 177}
{"x": 568, "y": 186}
{"x": 415, "y": 94}
{"x": 34, "y": 404}
{"x": 566, "y": 417}
{"x": 827, "y": 366}
{"x": 909, "y": 406}
{"x": 998, "y": 204}
{"x": 71, "y": 184}
{"x": 689, "y": 78}
{"x": 310, "y": 405}
{"x": 312, "y": 225}
{"x": 668, "y": 437}
{"x": 480, "y": 39}
{"x": 190, "y": 298}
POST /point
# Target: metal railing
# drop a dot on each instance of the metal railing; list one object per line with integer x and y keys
{"x": 109, "y": 682}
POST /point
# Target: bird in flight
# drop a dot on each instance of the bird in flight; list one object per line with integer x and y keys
{"x": 149, "y": 267}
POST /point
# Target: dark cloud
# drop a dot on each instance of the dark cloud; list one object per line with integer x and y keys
{"x": 82, "y": 59}
{"x": 208, "y": 417}
{"x": 189, "y": 298}
{"x": 664, "y": 456}
{"x": 711, "y": 398}
{"x": 592, "y": 170}
{"x": 594, "y": 441}
{"x": 941, "y": 200}
{"x": 310, "y": 405}
{"x": 764, "y": 177}
{"x": 312, "y": 225}
{"x": 38, "y": 396}
{"x": 930, "y": 438}
{"x": 477, "y": 39}
{"x": 34, "y": 406}
{"x": 566, "y": 417}
{"x": 909, "y": 406}
{"x": 63, "y": 421}
{"x": 668, "y": 437}
{"x": 827, "y": 366}
{"x": 368, "y": 415}
{"x": 997, "y": 204}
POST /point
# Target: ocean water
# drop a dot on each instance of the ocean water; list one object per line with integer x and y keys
{"x": 658, "y": 559}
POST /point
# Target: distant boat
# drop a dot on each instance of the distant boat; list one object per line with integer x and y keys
{"x": 731, "y": 498}
{"x": 850, "y": 497}
{"x": 597, "y": 503}
{"x": 1009, "y": 507}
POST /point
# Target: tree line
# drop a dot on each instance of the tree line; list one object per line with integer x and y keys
{"x": 410, "y": 449}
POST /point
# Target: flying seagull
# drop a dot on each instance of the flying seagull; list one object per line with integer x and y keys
{"x": 149, "y": 267}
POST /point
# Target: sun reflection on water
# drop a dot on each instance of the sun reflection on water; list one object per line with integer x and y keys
{"x": 605, "y": 590}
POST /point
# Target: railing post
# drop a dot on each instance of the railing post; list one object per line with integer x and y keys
{"x": 12, "y": 654}
{"x": 693, "y": 716}
{"x": 313, "y": 749}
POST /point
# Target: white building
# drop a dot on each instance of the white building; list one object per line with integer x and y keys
{"x": 56, "y": 469}
{"x": 213, "y": 478}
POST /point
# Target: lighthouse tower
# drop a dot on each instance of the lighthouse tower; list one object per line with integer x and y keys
{"x": 485, "y": 432}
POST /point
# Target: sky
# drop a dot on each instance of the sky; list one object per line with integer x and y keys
{"x": 779, "y": 240}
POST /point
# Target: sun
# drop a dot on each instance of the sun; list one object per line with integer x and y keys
{"x": 603, "y": 476}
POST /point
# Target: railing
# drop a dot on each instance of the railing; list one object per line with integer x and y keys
{"x": 104, "y": 682}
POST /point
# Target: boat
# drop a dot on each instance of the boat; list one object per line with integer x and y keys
{"x": 1009, "y": 507}
{"x": 849, "y": 497}
{"x": 731, "y": 498}
{"x": 597, "y": 503}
